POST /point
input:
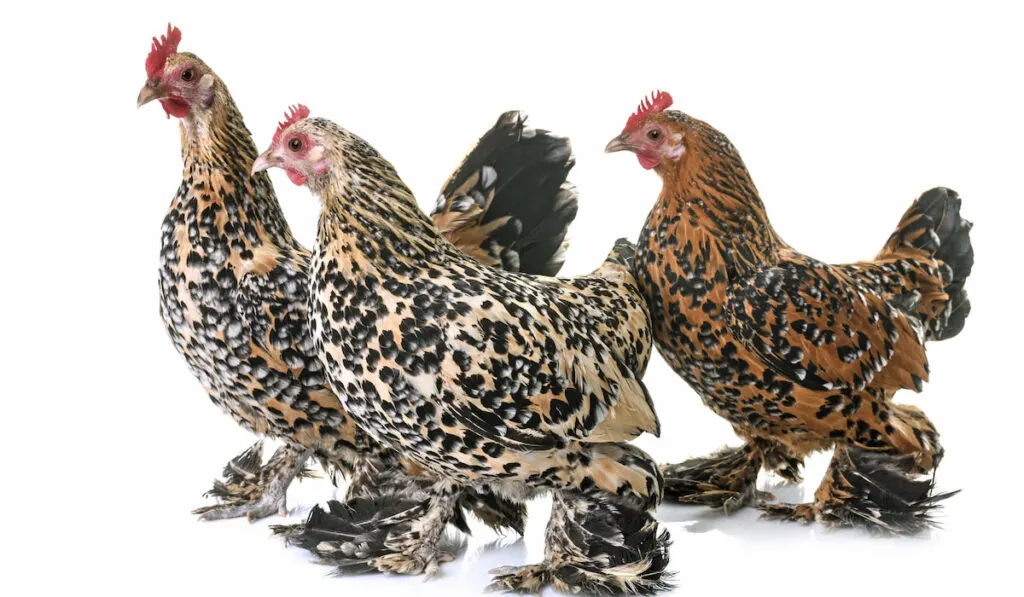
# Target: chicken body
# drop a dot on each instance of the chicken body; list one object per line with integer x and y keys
{"x": 233, "y": 297}
{"x": 234, "y": 287}
{"x": 484, "y": 377}
{"x": 463, "y": 367}
{"x": 798, "y": 355}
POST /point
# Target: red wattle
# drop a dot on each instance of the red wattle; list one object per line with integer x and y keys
{"x": 295, "y": 176}
{"x": 647, "y": 162}
{"x": 175, "y": 107}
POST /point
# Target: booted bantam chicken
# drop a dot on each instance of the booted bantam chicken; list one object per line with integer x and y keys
{"x": 234, "y": 285}
{"x": 488, "y": 379}
{"x": 797, "y": 354}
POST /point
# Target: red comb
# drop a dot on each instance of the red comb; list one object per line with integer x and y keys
{"x": 658, "y": 102}
{"x": 293, "y": 115}
{"x": 162, "y": 48}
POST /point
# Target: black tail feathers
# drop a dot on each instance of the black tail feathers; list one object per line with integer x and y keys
{"x": 511, "y": 190}
{"x": 934, "y": 225}
{"x": 624, "y": 253}
{"x": 955, "y": 251}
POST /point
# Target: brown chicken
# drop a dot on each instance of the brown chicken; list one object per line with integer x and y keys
{"x": 798, "y": 355}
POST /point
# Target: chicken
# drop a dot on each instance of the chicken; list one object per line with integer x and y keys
{"x": 798, "y": 355}
{"x": 233, "y": 283}
{"x": 483, "y": 377}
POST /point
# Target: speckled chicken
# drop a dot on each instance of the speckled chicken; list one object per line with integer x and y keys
{"x": 234, "y": 285}
{"x": 798, "y": 355}
{"x": 485, "y": 378}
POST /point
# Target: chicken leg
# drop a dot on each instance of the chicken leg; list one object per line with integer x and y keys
{"x": 594, "y": 546}
{"x": 727, "y": 479}
{"x": 871, "y": 489}
{"x": 253, "y": 489}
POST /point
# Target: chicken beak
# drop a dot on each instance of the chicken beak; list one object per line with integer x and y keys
{"x": 618, "y": 144}
{"x": 263, "y": 163}
{"x": 152, "y": 90}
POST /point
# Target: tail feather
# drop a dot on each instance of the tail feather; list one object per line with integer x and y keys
{"x": 623, "y": 253}
{"x": 509, "y": 203}
{"x": 947, "y": 236}
{"x": 957, "y": 253}
{"x": 924, "y": 266}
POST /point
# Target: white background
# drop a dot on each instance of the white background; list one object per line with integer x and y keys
{"x": 843, "y": 116}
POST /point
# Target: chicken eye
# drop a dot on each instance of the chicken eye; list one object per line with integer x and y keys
{"x": 187, "y": 74}
{"x": 295, "y": 145}
{"x": 654, "y": 134}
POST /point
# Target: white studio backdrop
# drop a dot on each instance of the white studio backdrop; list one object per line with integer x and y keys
{"x": 843, "y": 115}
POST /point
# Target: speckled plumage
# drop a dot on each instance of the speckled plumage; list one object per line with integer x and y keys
{"x": 233, "y": 290}
{"x": 587, "y": 543}
{"x": 234, "y": 294}
{"x": 798, "y": 355}
{"x": 484, "y": 377}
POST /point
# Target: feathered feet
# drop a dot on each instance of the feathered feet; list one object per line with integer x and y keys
{"x": 726, "y": 479}
{"x": 387, "y": 475}
{"x": 253, "y": 489}
{"x": 594, "y": 547}
{"x": 495, "y": 511}
{"x": 874, "y": 490}
{"x": 392, "y": 533}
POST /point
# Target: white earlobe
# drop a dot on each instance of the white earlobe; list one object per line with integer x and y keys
{"x": 676, "y": 147}
{"x": 316, "y": 155}
{"x": 206, "y": 90}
